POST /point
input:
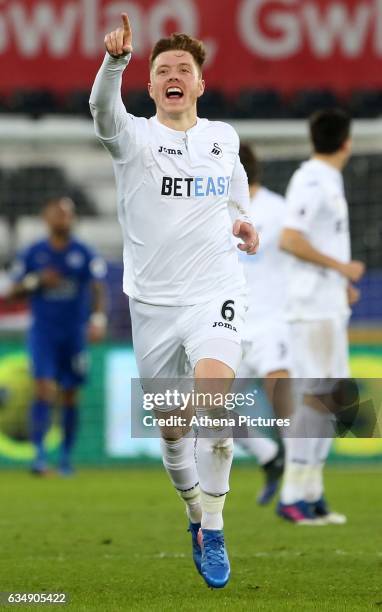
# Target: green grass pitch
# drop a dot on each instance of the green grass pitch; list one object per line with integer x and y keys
{"x": 116, "y": 540}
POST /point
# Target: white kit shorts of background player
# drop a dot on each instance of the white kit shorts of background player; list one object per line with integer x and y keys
{"x": 180, "y": 264}
{"x": 317, "y": 304}
{"x": 266, "y": 346}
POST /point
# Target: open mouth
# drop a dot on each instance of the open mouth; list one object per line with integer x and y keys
{"x": 174, "y": 93}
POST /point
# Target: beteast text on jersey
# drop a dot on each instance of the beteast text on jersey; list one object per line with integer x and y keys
{"x": 195, "y": 187}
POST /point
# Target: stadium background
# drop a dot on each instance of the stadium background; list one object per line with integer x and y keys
{"x": 271, "y": 63}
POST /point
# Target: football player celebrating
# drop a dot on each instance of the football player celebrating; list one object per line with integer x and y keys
{"x": 175, "y": 176}
{"x": 319, "y": 292}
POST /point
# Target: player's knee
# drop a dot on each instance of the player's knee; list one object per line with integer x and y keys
{"x": 45, "y": 390}
{"x": 275, "y": 374}
{"x": 212, "y": 368}
{"x": 70, "y": 397}
{"x": 173, "y": 450}
{"x": 174, "y": 434}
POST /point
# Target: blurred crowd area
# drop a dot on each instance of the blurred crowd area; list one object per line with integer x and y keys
{"x": 43, "y": 167}
{"x": 216, "y": 103}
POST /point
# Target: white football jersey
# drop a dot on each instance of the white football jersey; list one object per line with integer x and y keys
{"x": 316, "y": 206}
{"x": 173, "y": 191}
{"x": 265, "y": 272}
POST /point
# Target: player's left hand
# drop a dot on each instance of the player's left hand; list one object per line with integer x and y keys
{"x": 354, "y": 295}
{"x": 97, "y": 327}
{"x": 119, "y": 42}
{"x": 249, "y": 236}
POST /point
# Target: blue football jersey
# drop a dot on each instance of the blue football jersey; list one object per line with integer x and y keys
{"x": 67, "y": 306}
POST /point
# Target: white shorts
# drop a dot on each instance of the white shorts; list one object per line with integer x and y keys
{"x": 170, "y": 340}
{"x": 266, "y": 349}
{"x": 320, "y": 350}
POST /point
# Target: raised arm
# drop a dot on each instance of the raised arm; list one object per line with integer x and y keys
{"x": 109, "y": 113}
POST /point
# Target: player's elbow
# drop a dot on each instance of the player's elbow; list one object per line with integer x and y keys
{"x": 97, "y": 104}
{"x": 93, "y": 107}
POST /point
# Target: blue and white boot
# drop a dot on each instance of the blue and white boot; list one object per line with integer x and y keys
{"x": 215, "y": 567}
{"x": 194, "y": 529}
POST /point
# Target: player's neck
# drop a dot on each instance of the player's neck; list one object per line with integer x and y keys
{"x": 180, "y": 122}
{"x": 335, "y": 161}
{"x": 254, "y": 189}
{"x": 59, "y": 241}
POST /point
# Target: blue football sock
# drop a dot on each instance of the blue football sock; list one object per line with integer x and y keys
{"x": 69, "y": 426}
{"x": 39, "y": 425}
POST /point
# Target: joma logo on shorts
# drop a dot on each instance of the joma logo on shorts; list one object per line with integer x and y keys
{"x": 170, "y": 151}
{"x": 226, "y": 325}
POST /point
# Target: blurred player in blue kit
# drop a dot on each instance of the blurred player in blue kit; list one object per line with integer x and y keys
{"x": 62, "y": 278}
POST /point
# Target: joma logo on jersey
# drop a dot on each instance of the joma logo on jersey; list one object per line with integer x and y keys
{"x": 195, "y": 187}
{"x": 225, "y": 325}
{"x": 170, "y": 151}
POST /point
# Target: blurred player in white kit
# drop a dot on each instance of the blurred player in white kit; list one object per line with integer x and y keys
{"x": 176, "y": 175}
{"x": 266, "y": 350}
{"x": 320, "y": 292}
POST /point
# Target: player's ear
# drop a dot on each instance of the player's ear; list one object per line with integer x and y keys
{"x": 346, "y": 148}
{"x": 349, "y": 145}
{"x": 150, "y": 90}
{"x": 202, "y": 86}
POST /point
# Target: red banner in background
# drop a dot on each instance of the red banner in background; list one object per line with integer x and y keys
{"x": 284, "y": 44}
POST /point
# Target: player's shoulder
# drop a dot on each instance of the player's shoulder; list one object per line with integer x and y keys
{"x": 141, "y": 122}
{"x": 77, "y": 244}
{"x": 307, "y": 177}
{"x": 222, "y": 130}
{"x": 83, "y": 253}
{"x": 138, "y": 125}
{"x": 35, "y": 247}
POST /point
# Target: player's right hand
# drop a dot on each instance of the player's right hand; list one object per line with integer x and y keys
{"x": 119, "y": 42}
{"x": 354, "y": 270}
{"x": 354, "y": 295}
{"x": 49, "y": 278}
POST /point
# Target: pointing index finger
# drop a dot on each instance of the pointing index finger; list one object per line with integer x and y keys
{"x": 126, "y": 24}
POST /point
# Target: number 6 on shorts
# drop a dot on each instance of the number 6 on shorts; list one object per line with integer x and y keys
{"x": 227, "y": 310}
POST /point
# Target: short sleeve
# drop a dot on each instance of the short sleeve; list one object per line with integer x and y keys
{"x": 302, "y": 204}
{"x": 97, "y": 267}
